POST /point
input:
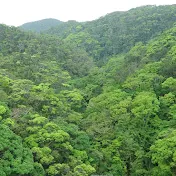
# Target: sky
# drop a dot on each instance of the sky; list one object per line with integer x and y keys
{"x": 18, "y": 12}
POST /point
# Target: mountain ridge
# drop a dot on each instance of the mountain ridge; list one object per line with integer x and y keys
{"x": 40, "y": 25}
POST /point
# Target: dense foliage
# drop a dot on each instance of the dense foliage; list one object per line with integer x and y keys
{"x": 61, "y": 115}
{"x": 117, "y": 32}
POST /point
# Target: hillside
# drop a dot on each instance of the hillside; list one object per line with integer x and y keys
{"x": 61, "y": 114}
{"x": 41, "y": 25}
{"x": 117, "y": 32}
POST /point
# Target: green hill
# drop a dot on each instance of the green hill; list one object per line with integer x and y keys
{"x": 41, "y": 25}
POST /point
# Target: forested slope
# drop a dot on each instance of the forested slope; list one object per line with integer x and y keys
{"x": 60, "y": 114}
{"x": 34, "y": 76}
{"x": 117, "y": 32}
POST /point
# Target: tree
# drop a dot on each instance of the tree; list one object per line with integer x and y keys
{"x": 15, "y": 158}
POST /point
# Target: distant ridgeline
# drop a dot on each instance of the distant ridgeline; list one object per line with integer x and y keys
{"x": 93, "y": 98}
{"x": 41, "y": 25}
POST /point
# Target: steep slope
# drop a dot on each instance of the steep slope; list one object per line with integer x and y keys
{"x": 41, "y": 25}
{"x": 130, "y": 116}
{"x": 117, "y": 32}
{"x": 41, "y": 49}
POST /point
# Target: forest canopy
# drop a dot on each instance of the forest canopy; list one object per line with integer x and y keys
{"x": 93, "y": 98}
